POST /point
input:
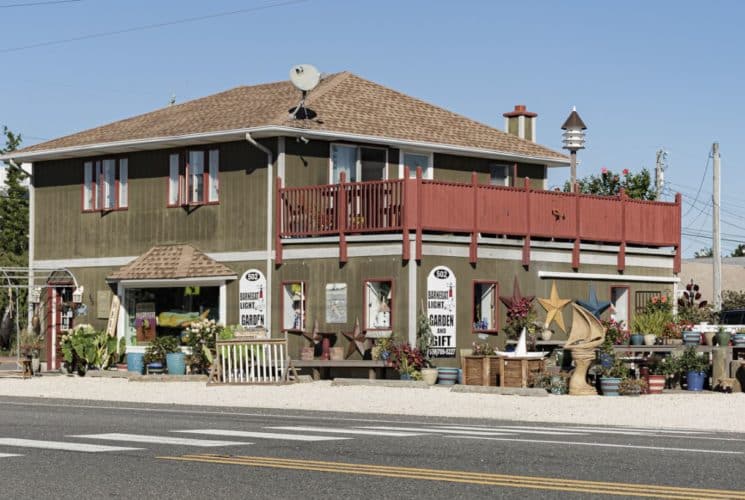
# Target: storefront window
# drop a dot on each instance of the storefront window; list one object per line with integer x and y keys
{"x": 167, "y": 311}
{"x": 293, "y": 304}
{"x": 378, "y": 305}
{"x": 485, "y": 306}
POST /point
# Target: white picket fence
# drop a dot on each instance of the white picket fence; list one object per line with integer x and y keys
{"x": 251, "y": 361}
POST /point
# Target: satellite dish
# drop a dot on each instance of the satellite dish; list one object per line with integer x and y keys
{"x": 305, "y": 77}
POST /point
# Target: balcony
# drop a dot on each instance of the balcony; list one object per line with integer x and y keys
{"x": 426, "y": 206}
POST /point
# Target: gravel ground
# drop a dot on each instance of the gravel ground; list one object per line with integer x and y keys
{"x": 705, "y": 411}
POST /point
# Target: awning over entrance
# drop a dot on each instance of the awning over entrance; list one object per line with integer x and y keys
{"x": 172, "y": 262}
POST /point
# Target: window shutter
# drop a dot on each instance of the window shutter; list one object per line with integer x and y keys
{"x": 123, "y": 185}
{"x": 88, "y": 186}
{"x": 174, "y": 181}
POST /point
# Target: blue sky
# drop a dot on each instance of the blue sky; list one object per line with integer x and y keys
{"x": 642, "y": 74}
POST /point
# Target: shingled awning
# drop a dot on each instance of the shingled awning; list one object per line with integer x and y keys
{"x": 172, "y": 262}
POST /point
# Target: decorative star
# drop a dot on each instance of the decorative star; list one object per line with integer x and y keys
{"x": 314, "y": 337}
{"x": 357, "y": 340}
{"x": 517, "y": 297}
{"x": 593, "y": 304}
{"x": 553, "y": 307}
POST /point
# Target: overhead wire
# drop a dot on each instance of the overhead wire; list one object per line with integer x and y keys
{"x": 34, "y": 4}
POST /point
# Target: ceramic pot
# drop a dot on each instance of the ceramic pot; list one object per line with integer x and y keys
{"x": 723, "y": 339}
{"x": 709, "y": 338}
{"x": 691, "y": 338}
{"x": 135, "y": 362}
{"x": 636, "y": 339}
{"x": 447, "y": 376}
{"x": 656, "y": 384}
{"x": 429, "y": 375}
{"x": 175, "y": 361}
{"x": 609, "y": 385}
{"x": 696, "y": 380}
{"x": 650, "y": 339}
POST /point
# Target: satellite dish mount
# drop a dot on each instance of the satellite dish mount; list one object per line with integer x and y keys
{"x": 305, "y": 77}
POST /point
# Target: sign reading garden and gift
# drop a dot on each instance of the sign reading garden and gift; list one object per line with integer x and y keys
{"x": 252, "y": 299}
{"x": 441, "y": 312}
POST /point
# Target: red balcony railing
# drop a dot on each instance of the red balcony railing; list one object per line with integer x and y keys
{"x": 419, "y": 205}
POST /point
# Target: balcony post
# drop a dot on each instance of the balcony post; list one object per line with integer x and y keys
{"x": 575, "y": 248}
{"x": 526, "y": 241}
{"x": 622, "y": 249}
{"x": 341, "y": 214}
{"x": 473, "y": 250}
{"x": 405, "y": 246}
{"x": 278, "y": 222}
{"x": 419, "y": 213}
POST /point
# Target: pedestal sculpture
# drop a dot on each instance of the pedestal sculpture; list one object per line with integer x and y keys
{"x": 586, "y": 335}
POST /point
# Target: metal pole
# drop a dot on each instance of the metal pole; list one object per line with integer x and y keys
{"x": 658, "y": 174}
{"x": 573, "y": 168}
{"x": 716, "y": 237}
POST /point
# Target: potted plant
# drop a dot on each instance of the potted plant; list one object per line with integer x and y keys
{"x": 423, "y": 341}
{"x": 651, "y": 325}
{"x": 611, "y": 377}
{"x": 30, "y": 347}
{"x": 200, "y": 338}
{"x": 406, "y": 360}
{"x": 481, "y": 367}
{"x": 632, "y": 387}
{"x": 723, "y": 337}
{"x": 694, "y": 365}
{"x": 657, "y": 373}
{"x": 155, "y": 354}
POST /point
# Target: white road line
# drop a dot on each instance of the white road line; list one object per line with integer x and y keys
{"x": 8, "y": 455}
{"x": 594, "y": 430}
{"x": 600, "y": 445}
{"x": 262, "y": 435}
{"x": 512, "y": 431}
{"x": 632, "y": 429}
{"x": 361, "y": 432}
{"x": 61, "y": 445}
{"x": 141, "y": 438}
{"x": 440, "y": 431}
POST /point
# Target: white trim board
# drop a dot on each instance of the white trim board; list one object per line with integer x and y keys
{"x": 608, "y": 277}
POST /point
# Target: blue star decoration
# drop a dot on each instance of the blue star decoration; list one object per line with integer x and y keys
{"x": 593, "y": 304}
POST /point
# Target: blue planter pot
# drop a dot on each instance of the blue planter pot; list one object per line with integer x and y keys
{"x": 609, "y": 385}
{"x": 405, "y": 376}
{"x": 691, "y": 338}
{"x": 175, "y": 361}
{"x": 447, "y": 376}
{"x": 135, "y": 362}
{"x": 696, "y": 381}
{"x": 637, "y": 339}
{"x": 739, "y": 340}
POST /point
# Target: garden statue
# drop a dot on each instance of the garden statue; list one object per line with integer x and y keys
{"x": 587, "y": 334}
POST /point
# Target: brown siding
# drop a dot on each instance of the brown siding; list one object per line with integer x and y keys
{"x": 452, "y": 168}
{"x": 238, "y": 223}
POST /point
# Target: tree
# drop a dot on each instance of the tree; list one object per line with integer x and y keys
{"x": 13, "y": 217}
{"x": 739, "y": 251}
{"x": 608, "y": 183}
{"x": 704, "y": 252}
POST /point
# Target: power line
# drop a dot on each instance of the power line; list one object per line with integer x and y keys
{"x": 703, "y": 178}
{"x": 149, "y": 26}
{"x": 34, "y": 4}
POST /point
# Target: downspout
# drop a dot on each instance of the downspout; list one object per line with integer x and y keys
{"x": 269, "y": 218}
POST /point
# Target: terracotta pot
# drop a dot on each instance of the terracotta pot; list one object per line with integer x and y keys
{"x": 656, "y": 384}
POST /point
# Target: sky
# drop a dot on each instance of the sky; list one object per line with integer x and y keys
{"x": 643, "y": 75}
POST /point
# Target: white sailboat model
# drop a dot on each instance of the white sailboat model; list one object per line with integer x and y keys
{"x": 521, "y": 350}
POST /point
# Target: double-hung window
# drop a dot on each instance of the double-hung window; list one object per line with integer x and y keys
{"x": 358, "y": 163}
{"x": 105, "y": 184}
{"x": 193, "y": 177}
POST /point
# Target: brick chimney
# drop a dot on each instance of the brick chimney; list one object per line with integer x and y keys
{"x": 520, "y": 122}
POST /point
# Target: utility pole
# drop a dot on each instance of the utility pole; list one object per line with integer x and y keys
{"x": 716, "y": 253}
{"x": 659, "y": 176}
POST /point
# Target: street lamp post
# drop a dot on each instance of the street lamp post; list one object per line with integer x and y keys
{"x": 574, "y": 140}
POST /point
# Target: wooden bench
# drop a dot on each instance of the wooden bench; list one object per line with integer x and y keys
{"x": 322, "y": 368}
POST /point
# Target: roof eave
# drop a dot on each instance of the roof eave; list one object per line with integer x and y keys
{"x": 119, "y": 147}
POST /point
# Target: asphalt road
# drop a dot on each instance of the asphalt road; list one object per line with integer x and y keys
{"x": 73, "y": 449}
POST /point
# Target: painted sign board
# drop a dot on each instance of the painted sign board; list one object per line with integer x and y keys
{"x": 113, "y": 316}
{"x": 252, "y": 299}
{"x": 441, "y": 309}
{"x": 336, "y": 303}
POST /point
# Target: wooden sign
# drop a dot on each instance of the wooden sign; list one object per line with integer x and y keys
{"x": 113, "y": 316}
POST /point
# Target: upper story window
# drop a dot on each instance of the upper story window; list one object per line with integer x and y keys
{"x": 415, "y": 160}
{"x": 499, "y": 175}
{"x": 194, "y": 178}
{"x": 358, "y": 163}
{"x": 105, "y": 184}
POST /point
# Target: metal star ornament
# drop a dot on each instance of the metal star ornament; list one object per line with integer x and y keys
{"x": 357, "y": 340}
{"x": 313, "y": 336}
{"x": 593, "y": 304}
{"x": 553, "y": 306}
{"x": 516, "y": 298}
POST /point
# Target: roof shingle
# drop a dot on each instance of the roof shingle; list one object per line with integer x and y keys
{"x": 171, "y": 262}
{"x": 344, "y": 103}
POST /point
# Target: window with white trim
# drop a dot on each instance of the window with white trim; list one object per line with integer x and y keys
{"x": 359, "y": 163}
{"x": 194, "y": 177}
{"x": 417, "y": 160}
{"x": 105, "y": 184}
{"x": 378, "y": 313}
{"x": 293, "y": 306}
{"x": 484, "y": 316}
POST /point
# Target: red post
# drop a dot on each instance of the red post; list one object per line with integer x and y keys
{"x": 676, "y": 259}
{"x": 622, "y": 249}
{"x": 473, "y": 250}
{"x": 419, "y": 213}
{"x": 575, "y": 248}
{"x": 278, "y": 222}
{"x": 405, "y": 246}
{"x": 341, "y": 212}
{"x": 526, "y": 242}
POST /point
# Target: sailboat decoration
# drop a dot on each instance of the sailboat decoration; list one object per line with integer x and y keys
{"x": 521, "y": 350}
{"x": 587, "y": 334}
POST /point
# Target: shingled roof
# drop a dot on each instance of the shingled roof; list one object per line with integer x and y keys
{"x": 344, "y": 103}
{"x": 172, "y": 262}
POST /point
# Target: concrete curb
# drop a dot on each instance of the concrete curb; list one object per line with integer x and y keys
{"x": 502, "y": 391}
{"x": 134, "y": 377}
{"x": 405, "y": 384}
